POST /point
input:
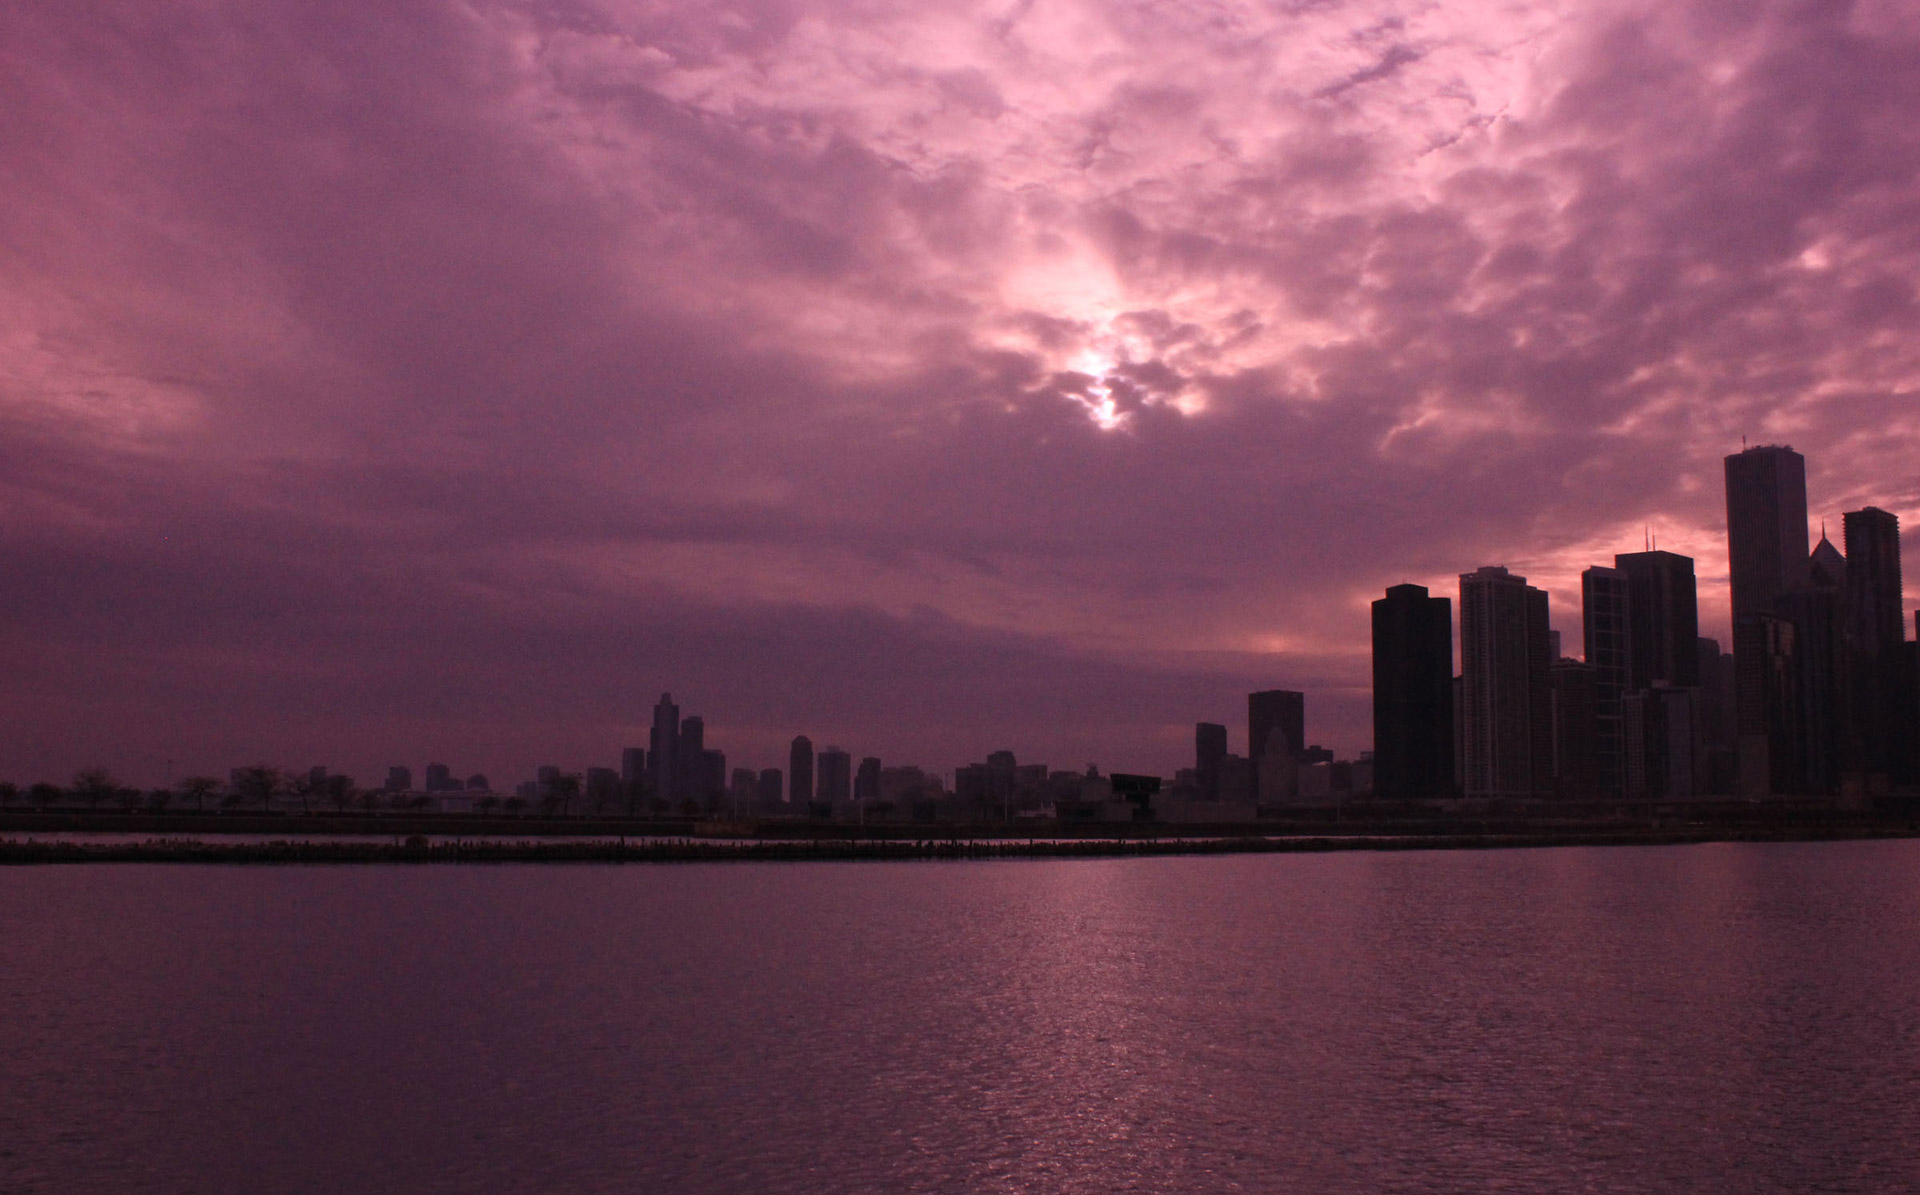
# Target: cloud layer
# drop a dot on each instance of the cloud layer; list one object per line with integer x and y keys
{"x": 447, "y": 379}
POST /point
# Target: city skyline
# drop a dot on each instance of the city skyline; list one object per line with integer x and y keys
{"x": 445, "y": 383}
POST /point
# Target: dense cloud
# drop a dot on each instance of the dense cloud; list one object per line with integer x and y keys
{"x": 384, "y": 381}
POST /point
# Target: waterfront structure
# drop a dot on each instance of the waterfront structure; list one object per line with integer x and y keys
{"x": 1507, "y": 719}
{"x": 663, "y": 755}
{"x": 1767, "y": 557}
{"x": 1413, "y": 694}
{"x": 1606, "y": 621}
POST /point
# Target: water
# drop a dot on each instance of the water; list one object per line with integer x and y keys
{"x": 1732, "y": 1018}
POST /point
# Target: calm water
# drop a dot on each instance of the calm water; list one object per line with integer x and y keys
{"x": 1729, "y": 1018}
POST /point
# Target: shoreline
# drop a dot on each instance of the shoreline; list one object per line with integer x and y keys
{"x": 416, "y": 850}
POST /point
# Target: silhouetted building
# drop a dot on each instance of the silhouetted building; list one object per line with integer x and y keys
{"x": 1664, "y": 619}
{"x": 1820, "y": 721}
{"x": 1606, "y": 621}
{"x": 633, "y": 772}
{"x": 399, "y": 779}
{"x": 866, "y": 781}
{"x": 1714, "y": 718}
{"x": 478, "y": 783}
{"x": 1661, "y": 757}
{"x": 1767, "y": 557}
{"x": 1507, "y": 721}
{"x": 767, "y": 794}
{"x": 690, "y": 766}
{"x": 603, "y": 787}
{"x": 1413, "y": 694}
{"x": 800, "y": 773}
{"x": 663, "y": 751}
{"x": 1275, "y": 709}
{"x": 1209, "y": 748}
{"x": 1883, "y": 711}
{"x": 1576, "y": 774}
{"x": 833, "y": 777}
{"x": 440, "y": 778}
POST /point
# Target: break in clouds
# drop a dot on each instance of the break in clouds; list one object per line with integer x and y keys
{"x": 392, "y": 380}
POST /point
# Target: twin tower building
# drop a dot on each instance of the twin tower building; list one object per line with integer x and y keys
{"x": 1817, "y": 699}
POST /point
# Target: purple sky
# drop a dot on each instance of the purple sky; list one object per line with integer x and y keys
{"x": 406, "y": 381}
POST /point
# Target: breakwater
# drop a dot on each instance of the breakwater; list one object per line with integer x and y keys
{"x": 419, "y": 850}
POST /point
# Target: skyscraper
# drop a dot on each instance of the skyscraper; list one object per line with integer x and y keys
{"x": 1882, "y": 701}
{"x": 1663, "y": 617}
{"x": 1606, "y": 596}
{"x": 1507, "y": 719}
{"x": 833, "y": 777}
{"x": 800, "y": 773}
{"x": 1412, "y": 694}
{"x": 663, "y": 757}
{"x": 1766, "y": 526}
{"x": 1767, "y": 557}
{"x": 1209, "y": 748}
{"x": 1276, "y": 709}
{"x": 633, "y": 772}
{"x": 690, "y": 783}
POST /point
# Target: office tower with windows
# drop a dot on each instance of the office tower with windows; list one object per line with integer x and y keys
{"x": 1606, "y": 623}
{"x": 1507, "y": 714}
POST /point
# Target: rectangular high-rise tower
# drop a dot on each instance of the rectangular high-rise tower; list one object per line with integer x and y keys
{"x": 1276, "y": 709}
{"x": 663, "y": 750}
{"x": 1507, "y": 714}
{"x": 1767, "y": 558}
{"x": 1664, "y": 619}
{"x": 1209, "y": 748}
{"x": 1882, "y": 695}
{"x": 1606, "y": 621}
{"x": 1412, "y": 694}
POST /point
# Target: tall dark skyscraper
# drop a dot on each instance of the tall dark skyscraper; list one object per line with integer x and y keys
{"x": 691, "y": 781}
{"x": 1606, "y": 621}
{"x": 1209, "y": 748}
{"x": 1767, "y": 558}
{"x": 1882, "y": 746}
{"x": 833, "y": 777}
{"x": 1412, "y": 694}
{"x": 663, "y": 750}
{"x": 1507, "y": 715}
{"x": 633, "y": 772}
{"x": 1819, "y": 727}
{"x": 1276, "y": 709}
{"x": 800, "y": 773}
{"x": 1664, "y": 619}
{"x": 1767, "y": 549}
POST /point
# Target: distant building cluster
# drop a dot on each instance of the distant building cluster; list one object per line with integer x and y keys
{"x": 1817, "y": 699}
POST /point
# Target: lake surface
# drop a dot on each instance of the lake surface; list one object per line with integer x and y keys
{"x": 1721, "y": 1017}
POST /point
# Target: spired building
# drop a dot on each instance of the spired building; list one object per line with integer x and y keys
{"x": 1606, "y": 623}
{"x": 1767, "y": 557}
{"x": 1412, "y": 694}
{"x": 1506, "y": 707}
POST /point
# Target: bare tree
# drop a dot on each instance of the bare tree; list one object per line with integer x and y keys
{"x": 44, "y": 794}
{"x": 560, "y": 791}
{"x": 9, "y": 792}
{"x": 159, "y": 799}
{"x": 340, "y": 791}
{"x": 94, "y": 785}
{"x": 258, "y": 784}
{"x": 487, "y": 804}
{"x": 199, "y": 788}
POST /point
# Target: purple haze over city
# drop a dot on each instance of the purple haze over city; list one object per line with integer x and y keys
{"x": 386, "y": 382}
